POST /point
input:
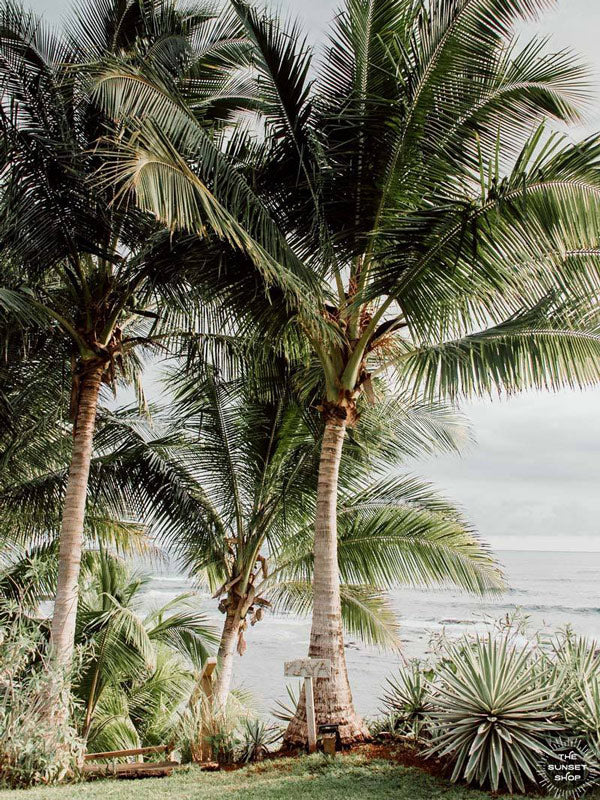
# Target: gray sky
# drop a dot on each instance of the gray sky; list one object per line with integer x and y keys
{"x": 532, "y": 481}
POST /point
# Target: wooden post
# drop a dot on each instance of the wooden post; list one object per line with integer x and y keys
{"x": 206, "y": 684}
{"x": 309, "y": 668}
{"x": 310, "y": 714}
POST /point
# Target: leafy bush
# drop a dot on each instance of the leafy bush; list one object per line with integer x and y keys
{"x": 36, "y": 746}
{"x": 223, "y": 730}
{"x": 388, "y": 726}
{"x": 489, "y": 716}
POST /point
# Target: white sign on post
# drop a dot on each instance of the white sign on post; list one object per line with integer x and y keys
{"x": 309, "y": 668}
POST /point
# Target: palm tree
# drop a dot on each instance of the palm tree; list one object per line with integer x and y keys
{"x": 453, "y": 243}
{"x": 86, "y": 277}
{"x": 148, "y": 662}
{"x": 252, "y": 449}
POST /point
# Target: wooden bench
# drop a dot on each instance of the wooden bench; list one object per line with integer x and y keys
{"x": 130, "y": 769}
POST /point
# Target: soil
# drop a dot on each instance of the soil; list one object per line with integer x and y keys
{"x": 404, "y": 753}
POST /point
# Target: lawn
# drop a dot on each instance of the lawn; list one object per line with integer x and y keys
{"x": 285, "y": 779}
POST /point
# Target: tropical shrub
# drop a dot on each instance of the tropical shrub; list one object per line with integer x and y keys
{"x": 387, "y": 726}
{"x": 222, "y": 735}
{"x": 37, "y": 746}
{"x": 489, "y": 716}
{"x": 224, "y": 730}
{"x": 492, "y": 706}
{"x": 137, "y": 668}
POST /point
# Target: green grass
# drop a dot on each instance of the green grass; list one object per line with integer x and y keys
{"x": 305, "y": 778}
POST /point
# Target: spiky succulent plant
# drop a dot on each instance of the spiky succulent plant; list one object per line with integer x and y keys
{"x": 407, "y": 699}
{"x": 492, "y": 715}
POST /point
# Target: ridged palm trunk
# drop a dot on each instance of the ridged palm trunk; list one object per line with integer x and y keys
{"x": 225, "y": 657}
{"x": 333, "y": 698}
{"x": 62, "y": 635}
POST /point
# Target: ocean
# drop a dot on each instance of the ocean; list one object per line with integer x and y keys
{"x": 551, "y": 589}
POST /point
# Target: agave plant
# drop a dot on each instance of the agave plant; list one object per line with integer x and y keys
{"x": 257, "y": 739}
{"x": 284, "y": 710}
{"x": 576, "y": 674}
{"x": 490, "y": 717}
{"x": 581, "y": 711}
{"x": 407, "y": 700}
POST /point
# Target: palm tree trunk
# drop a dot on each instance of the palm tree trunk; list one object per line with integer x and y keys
{"x": 225, "y": 657}
{"x": 333, "y": 698}
{"x": 62, "y": 635}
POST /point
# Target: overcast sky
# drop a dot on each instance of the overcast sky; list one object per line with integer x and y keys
{"x": 532, "y": 480}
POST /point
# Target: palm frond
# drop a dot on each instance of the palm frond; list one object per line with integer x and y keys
{"x": 366, "y": 612}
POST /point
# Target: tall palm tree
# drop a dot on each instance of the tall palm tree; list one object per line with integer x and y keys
{"x": 454, "y": 244}
{"x": 254, "y": 456}
{"x": 78, "y": 267}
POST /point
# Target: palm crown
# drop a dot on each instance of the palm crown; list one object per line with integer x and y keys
{"x": 410, "y": 174}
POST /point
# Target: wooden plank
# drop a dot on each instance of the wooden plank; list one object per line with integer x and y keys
{"x": 105, "y": 770}
{"x": 308, "y": 668}
{"x": 138, "y": 751}
{"x": 157, "y": 772}
{"x": 310, "y": 715}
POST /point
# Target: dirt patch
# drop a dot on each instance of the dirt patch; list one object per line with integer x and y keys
{"x": 404, "y": 753}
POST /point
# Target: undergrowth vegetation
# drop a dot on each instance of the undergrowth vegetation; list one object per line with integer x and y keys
{"x": 37, "y": 744}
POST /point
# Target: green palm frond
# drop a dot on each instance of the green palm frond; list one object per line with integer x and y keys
{"x": 183, "y": 629}
{"x": 400, "y": 531}
{"x": 366, "y": 612}
{"x": 112, "y": 728}
{"x": 526, "y": 352}
{"x": 531, "y": 231}
{"x": 398, "y": 428}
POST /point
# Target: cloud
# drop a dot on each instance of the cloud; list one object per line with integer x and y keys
{"x": 532, "y": 478}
